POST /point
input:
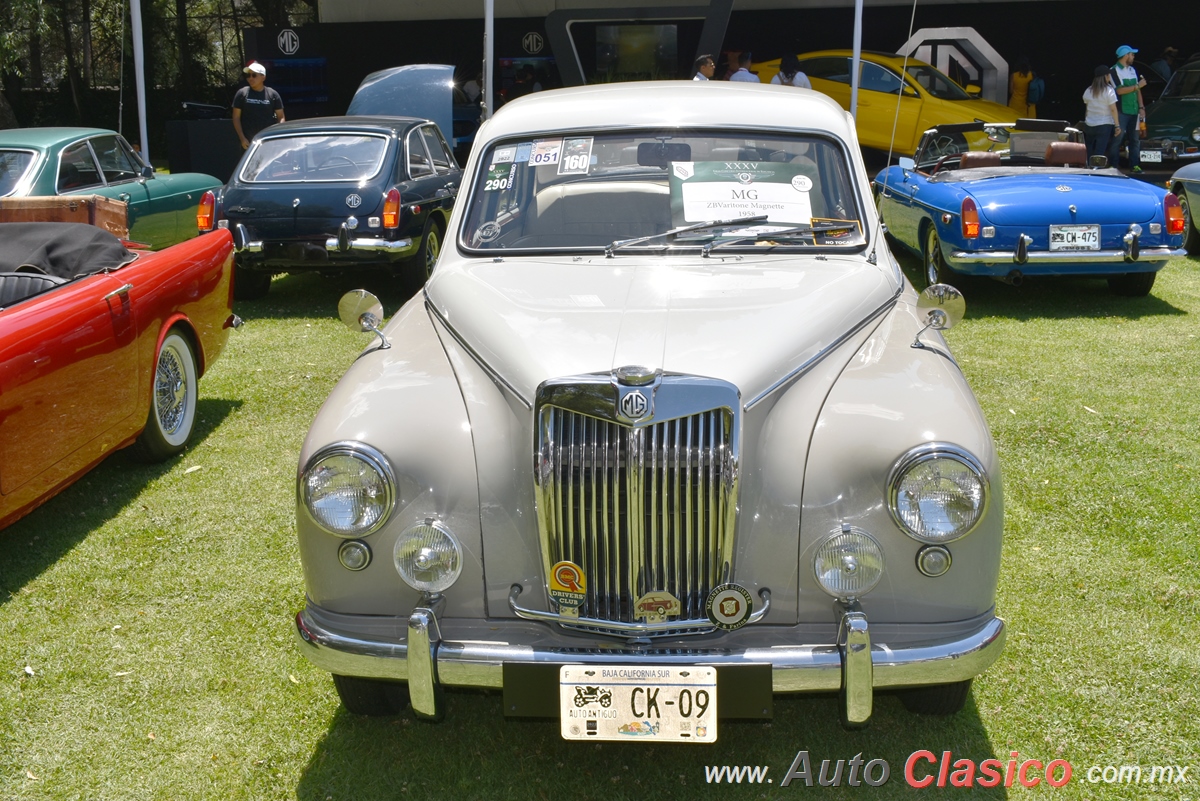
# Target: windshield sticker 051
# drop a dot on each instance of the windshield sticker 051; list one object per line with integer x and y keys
{"x": 704, "y": 191}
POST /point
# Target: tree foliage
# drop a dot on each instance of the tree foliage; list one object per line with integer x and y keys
{"x": 79, "y": 47}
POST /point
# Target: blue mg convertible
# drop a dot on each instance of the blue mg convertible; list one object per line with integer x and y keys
{"x": 1023, "y": 199}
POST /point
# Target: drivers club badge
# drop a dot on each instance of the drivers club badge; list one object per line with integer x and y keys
{"x": 568, "y": 588}
{"x": 729, "y": 606}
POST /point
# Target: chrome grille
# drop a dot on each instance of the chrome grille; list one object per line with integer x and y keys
{"x": 640, "y": 508}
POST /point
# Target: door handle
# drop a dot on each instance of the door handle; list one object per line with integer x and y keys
{"x": 118, "y": 291}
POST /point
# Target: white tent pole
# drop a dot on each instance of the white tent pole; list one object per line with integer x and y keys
{"x": 489, "y": 15}
{"x": 139, "y": 73}
{"x": 857, "y": 60}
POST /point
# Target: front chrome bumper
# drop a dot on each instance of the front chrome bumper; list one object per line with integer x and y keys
{"x": 854, "y": 664}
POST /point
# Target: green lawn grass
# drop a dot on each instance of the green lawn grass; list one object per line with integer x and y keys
{"x": 146, "y": 612}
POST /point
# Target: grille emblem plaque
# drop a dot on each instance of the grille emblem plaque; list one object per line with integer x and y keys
{"x": 634, "y": 405}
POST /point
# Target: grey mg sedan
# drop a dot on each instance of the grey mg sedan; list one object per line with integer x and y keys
{"x": 666, "y": 433}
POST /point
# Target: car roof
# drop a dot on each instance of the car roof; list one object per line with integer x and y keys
{"x": 47, "y": 137}
{"x": 866, "y": 55}
{"x": 656, "y": 104}
{"x": 347, "y": 123}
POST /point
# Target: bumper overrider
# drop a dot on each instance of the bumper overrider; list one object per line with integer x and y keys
{"x": 430, "y": 653}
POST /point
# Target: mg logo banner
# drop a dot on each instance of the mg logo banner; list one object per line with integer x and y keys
{"x": 288, "y": 42}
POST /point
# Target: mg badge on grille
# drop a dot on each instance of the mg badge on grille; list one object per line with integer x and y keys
{"x": 634, "y": 405}
{"x": 353, "y": 201}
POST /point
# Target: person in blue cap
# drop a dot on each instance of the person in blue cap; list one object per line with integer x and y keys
{"x": 1130, "y": 108}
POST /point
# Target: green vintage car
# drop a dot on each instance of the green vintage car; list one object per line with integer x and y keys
{"x": 94, "y": 161}
{"x": 1173, "y": 123}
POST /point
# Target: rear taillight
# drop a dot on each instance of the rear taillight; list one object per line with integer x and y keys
{"x": 970, "y": 219}
{"x": 391, "y": 209}
{"x": 204, "y": 214}
{"x": 1175, "y": 222}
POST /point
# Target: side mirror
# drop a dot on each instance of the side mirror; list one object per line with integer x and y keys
{"x": 1098, "y": 162}
{"x": 147, "y": 171}
{"x": 974, "y": 90}
{"x": 361, "y": 312}
{"x": 906, "y": 164}
{"x": 942, "y": 306}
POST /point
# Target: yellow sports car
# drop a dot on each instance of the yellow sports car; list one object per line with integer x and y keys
{"x": 929, "y": 97}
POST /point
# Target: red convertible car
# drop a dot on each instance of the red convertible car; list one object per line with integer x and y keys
{"x": 100, "y": 347}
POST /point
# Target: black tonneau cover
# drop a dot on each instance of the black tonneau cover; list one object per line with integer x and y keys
{"x": 65, "y": 250}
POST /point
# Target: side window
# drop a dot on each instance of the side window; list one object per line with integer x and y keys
{"x": 77, "y": 169}
{"x": 828, "y": 68}
{"x": 442, "y": 160}
{"x": 115, "y": 162}
{"x": 419, "y": 164}
{"x": 879, "y": 79}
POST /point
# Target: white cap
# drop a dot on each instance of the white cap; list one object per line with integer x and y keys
{"x": 254, "y": 66}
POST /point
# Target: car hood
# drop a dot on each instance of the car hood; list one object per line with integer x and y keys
{"x": 1173, "y": 117}
{"x": 984, "y": 110}
{"x": 414, "y": 90}
{"x": 1041, "y": 199}
{"x": 750, "y": 322}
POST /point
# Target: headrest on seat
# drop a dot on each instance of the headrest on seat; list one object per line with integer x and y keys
{"x": 1066, "y": 154}
{"x": 978, "y": 158}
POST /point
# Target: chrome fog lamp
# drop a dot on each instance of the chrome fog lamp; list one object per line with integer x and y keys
{"x": 348, "y": 489}
{"x": 354, "y": 555}
{"x": 934, "y": 560}
{"x": 849, "y": 564}
{"x": 937, "y": 493}
{"x": 428, "y": 557}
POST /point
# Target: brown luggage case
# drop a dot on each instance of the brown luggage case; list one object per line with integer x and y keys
{"x": 96, "y": 210}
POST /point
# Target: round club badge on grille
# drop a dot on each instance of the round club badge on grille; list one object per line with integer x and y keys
{"x": 634, "y": 405}
{"x": 729, "y": 606}
{"x": 353, "y": 201}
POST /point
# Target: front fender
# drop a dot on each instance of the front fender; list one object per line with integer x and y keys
{"x": 404, "y": 402}
{"x": 891, "y": 398}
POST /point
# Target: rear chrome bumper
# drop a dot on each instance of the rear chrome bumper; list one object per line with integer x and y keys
{"x": 853, "y": 664}
{"x": 1146, "y": 257}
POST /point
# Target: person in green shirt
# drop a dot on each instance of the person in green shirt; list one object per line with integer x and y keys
{"x": 1130, "y": 108}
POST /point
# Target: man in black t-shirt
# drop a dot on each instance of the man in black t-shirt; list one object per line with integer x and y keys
{"x": 255, "y": 106}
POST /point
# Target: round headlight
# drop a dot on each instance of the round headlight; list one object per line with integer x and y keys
{"x": 1196, "y": 134}
{"x": 937, "y": 493}
{"x": 849, "y": 564}
{"x": 428, "y": 557}
{"x": 348, "y": 489}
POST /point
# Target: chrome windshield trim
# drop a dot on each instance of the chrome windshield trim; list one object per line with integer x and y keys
{"x": 821, "y": 354}
{"x": 499, "y": 379}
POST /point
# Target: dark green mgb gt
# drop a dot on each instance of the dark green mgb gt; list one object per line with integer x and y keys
{"x": 94, "y": 161}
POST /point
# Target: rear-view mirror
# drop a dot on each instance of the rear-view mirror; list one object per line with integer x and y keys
{"x": 660, "y": 154}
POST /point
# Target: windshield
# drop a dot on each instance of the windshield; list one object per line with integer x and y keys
{"x": 996, "y": 144}
{"x": 13, "y": 166}
{"x": 1185, "y": 83}
{"x": 315, "y": 157}
{"x": 593, "y": 191}
{"x": 935, "y": 83}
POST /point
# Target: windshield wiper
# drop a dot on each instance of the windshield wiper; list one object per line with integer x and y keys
{"x": 620, "y": 243}
{"x": 798, "y": 230}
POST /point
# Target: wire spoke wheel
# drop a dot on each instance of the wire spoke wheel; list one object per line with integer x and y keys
{"x": 172, "y": 415}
